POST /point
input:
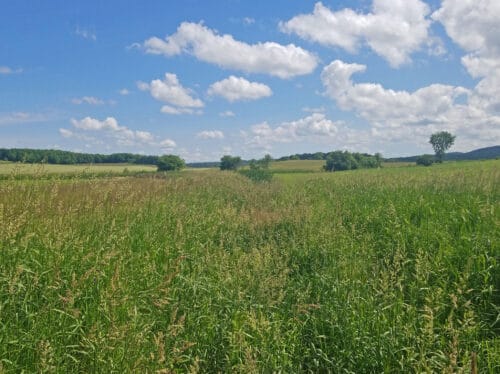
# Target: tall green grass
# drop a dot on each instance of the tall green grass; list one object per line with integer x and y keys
{"x": 20, "y": 170}
{"x": 391, "y": 270}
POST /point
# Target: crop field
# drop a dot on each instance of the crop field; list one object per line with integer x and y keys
{"x": 366, "y": 271}
{"x": 11, "y": 168}
{"x": 297, "y": 166}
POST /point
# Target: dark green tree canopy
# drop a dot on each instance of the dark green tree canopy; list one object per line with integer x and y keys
{"x": 425, "y": 160}
{"x": 56, "y": 156}
{"x": 229, "y": 162}
{"x": 170, "y": 163}
{"x": 441, "y": 142}
{"x": 338, "y": 160}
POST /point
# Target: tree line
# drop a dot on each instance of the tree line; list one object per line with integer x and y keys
{"x": 54, "y": 156}
{"x": 322, "y": 156}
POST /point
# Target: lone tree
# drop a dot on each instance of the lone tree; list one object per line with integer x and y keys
{"x": 170, "y": 163}
{"x": 441, "y": 142}
{"x": 229, "y": 162}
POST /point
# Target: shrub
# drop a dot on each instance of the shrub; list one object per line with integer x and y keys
{"x": 170, "y": 163}
{"x": 229, "y": 162}
{"x": 425, "y": 160}
{"x": 258, "y": 175}
{"x": 259, "y": 170}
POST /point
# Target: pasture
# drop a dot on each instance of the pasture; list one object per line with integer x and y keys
{"x": 381, "y": 270}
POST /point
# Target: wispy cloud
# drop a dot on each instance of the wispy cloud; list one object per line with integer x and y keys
{"x": 248, "y": 20}
{"x": 91, "y": 100}
{"x": 14, "y": 118}
{"x": 210, "y": 134}
{"x": 227, "y": 113}
{"x": 6, "y": 70}
{"x": 85, "y": 33}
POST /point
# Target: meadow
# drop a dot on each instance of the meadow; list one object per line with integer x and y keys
{"x": 20, "y": 170}
{"x": 381, "y": 270}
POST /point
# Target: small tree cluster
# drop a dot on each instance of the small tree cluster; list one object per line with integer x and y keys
{"x": 338, "y": 161}
{"x": 425, "y": 160}
{"x": 170, "y": 163}
{"x": 258, "y": 170}
{"x": 229, "y": 162}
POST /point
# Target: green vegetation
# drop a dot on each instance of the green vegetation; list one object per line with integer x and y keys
{"x": 488, "y": 153}
{"x": 441, "y": 142}
{"x": 296, "y": 166}
{"x": 20, "y": 170}
{"x": 258, "y": 170}
{"x": 170, "y": 163}
{"x": 376, "y": 270}
{"x": 329, "y": 155}
{"x": 340, "y": 161}
{"x": 425, "y": 160}
{"x": 54, "y": 156}
{"x": 229, "y": 162}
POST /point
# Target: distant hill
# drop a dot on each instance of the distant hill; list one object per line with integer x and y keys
{"x": 477, "y": 154}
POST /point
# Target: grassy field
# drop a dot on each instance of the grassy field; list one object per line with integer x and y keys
{"x": 11, "y": 168}
{"x": 297, "y": 166}
{"x": 387, "y": 270}
{"x": 311, "y": 166}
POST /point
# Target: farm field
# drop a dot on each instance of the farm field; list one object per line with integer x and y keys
{"x": 312, "y": 166}
{"x": 11, "y": 168}
{"x": 291, "y": 166}
{"x": 381, "y": 270}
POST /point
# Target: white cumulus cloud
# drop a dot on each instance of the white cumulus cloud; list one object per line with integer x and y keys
{"x": 66, "y": 133}
{"x": 238, "y": 89}
{"x": 402, "y": 115}
{"x": 111, "y": 129}
{"x": 284, "y": 61}
{"x": 170, "y": 91}
{"x": 167, "y": 144}
{"x": 474, "y": 26}
{"x": 316, "y": 125}
{"x": 394, "y": 29}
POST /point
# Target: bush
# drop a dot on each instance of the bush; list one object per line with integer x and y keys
{"x": 170, "y": 163}
{"x": 425, "y": 160}
{"x": 338, "y": 161}
{"x": 258, "y": 175}
{"x": 259, "y": 170}
{"x": 229, "y": 162}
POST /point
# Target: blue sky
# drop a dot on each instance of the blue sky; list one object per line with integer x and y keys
{"x": 205, "y": 78}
